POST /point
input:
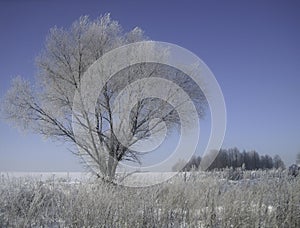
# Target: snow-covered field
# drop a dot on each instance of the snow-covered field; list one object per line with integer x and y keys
{"x": 46, "y": 175}
{"x": 259, "y": 199}
{"x": 132, "y": 179}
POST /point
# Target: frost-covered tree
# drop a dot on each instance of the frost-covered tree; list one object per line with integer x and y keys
{"x": 47, "y": 107}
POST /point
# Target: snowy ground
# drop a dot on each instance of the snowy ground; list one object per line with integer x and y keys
{"x": 47, "y": 175}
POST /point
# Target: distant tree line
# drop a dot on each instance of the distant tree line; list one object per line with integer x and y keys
{"x": 249, "y": 160}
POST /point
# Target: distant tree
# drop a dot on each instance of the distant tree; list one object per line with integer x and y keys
{"x": 298, "y": 159}
{"x": 238, "y": 158}
{"x": 256, "y": 160}
{"x": 263, "y": 162}
{"x": 244, "y": 159}
{"x": 179, "y": 166}
{"x": 252, "y": 160}
{"x": 222, "y": 160}
{"x": 269, "y": 162}
{"x": 192, "y": 164}
{"x": 278, "y": 163}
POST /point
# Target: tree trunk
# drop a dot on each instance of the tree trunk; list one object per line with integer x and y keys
{"x": 111, "y": 166}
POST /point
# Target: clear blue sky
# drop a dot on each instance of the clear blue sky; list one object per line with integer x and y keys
{"x": 252, "y": 47}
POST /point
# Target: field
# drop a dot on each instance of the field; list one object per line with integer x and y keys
{"x": 199, "y": 199}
